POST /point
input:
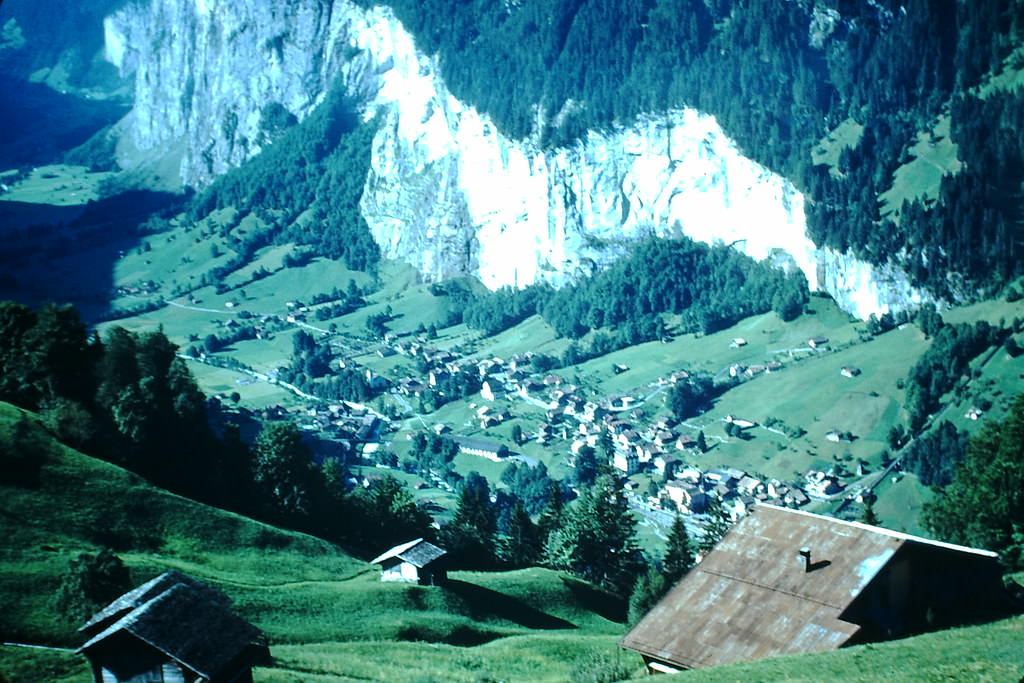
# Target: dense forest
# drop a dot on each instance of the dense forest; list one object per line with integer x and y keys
{"x": 319, "y": 167}
{"x": 778, "y": 76}
{"x": 709, "y": 287}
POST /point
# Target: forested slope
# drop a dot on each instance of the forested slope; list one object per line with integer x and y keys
{"x": 779, "y": 76}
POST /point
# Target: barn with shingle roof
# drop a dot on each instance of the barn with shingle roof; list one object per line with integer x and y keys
{"x": 417, "y": 561}
{"x": 786, "y": 581}
{"x": 172, "y": 628}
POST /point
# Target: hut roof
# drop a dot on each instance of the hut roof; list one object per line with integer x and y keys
{"x": 143, "y": 594}
{"x": 418, "y": 553}
{"x": 751, "y": 597}
{"x": 186, "y": 622}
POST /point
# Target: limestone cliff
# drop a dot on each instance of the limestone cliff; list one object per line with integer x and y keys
{"x": 447, "y": 192}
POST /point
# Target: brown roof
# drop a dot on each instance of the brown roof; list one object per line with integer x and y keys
{"x": 751, "y": 597}
{"x": 418, "y": 553}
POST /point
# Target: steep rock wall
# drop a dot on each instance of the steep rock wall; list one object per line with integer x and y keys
{"x": 446, "y": 191}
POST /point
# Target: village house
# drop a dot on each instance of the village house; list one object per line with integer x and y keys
{"x": 492, "y": 450}
{"x": 172, "y": 628}
{"x": 417, "y": 561}
{"x": 626, "y": 461}
{"x": 787, "y": 582}
{"x": 740, "y": 422}
{"x": 491, "y": 390}
{"x": 666, "y": 464}
{"x": 822, "y": 485}
{"x": 749, "y": 485}
{"x": 817, "y": 342}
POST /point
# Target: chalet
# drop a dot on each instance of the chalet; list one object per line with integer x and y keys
{"x": 491, "y": 389}
{"x": 849, "y": 371}
{"x": 816, "y": 342}
{"x": 626, "y": 461}
{"x": 740, "y": 422}
{"x": 698, "y": 504}
{"x": 787, "y": 582}
{"x": 680, "y": 493}
{"x": 414, "y": 562}
{"x": 821, "y": 484}
{"x": 737, "y": 342}
{"x": 738, "y": 507}
{"x": 666, "y": 464}
{"x": 172, "y": 628}
{"x": 685, "y": 441}
{"x": 491, "y": 450}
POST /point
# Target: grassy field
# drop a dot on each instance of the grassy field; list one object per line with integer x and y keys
{"x": 321, "y": 608}
{"x": 979, "y": 653}
{"x": 58, "y": 185}
{"x": 846, "y": 134}
{"x": 933, "y": 156}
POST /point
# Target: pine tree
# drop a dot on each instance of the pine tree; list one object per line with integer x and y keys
{"x": 520, "y": 545}
{"x": 597, "y": 539}
{"x": 679, "y": 557}
{"x": 648, "y": 590}
{"x": 716, "y": 525}
{"x": 702, "y": 444}
{"x": 869, "y": 516}
{"x": 984, "y": 505}
{"x": 470, "y": 536}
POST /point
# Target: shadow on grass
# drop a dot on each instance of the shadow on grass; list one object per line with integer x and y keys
{"x": 604, "y": 604}
{"x": 484, "y": 602}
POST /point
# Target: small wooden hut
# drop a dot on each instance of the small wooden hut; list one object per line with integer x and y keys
{"x": 417, "y": 561}
{"x": 172, "y": 628}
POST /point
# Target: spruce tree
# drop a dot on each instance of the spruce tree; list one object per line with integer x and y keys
{"x": 679, "y": 557}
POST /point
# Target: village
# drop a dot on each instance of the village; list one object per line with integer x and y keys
{"x": 654, "y": 453}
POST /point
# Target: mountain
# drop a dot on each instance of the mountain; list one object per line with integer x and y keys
{"x": 447, "y": 189}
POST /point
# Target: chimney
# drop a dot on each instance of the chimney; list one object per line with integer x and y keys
{"x": 805, "y": 558}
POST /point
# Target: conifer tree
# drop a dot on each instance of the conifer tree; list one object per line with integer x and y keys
{"x": 470, "y": 537}
{"x": 715, "y": 526}
{"x": 520, "y": 545}
{"x": 679, "y": 557}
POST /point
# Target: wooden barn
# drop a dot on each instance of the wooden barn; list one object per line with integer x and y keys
{"x": 174, "y": 629}
{"x": 414, "y": 562}
{"x": 785, "y": 582}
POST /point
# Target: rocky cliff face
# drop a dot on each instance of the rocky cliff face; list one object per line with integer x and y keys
{"x": 447, "y": 192}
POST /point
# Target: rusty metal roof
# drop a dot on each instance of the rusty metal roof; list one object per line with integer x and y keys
{"x": 751, "y": 597}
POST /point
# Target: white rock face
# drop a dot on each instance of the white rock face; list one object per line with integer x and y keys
{"x": 446, "y": 191}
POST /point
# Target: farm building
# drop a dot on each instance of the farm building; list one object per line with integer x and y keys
{"x": 785, "y": 582}
{"x": 172, "y": 628}
{"x": 414, "y": 562}
{"x": 482, "y": 447}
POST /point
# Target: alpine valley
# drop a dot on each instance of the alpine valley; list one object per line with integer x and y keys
{"x": 291, "y": 282}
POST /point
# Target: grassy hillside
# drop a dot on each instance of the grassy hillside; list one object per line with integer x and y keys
{"x": 323, "y": 610}
{"x": 979, "y": 653}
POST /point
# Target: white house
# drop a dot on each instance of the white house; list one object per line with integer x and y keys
{"x": 414, "y": 562}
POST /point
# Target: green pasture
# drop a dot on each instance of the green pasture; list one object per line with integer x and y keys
{"x": 845, "y": 135}
{"x": 989, "y": 652}
{"x": 933, "y": 156}
{"x": 58, "y": 185}
{"x": 900, "y": 497}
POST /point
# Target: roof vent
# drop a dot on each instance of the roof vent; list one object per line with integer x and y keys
{"x": 805, "y": 558}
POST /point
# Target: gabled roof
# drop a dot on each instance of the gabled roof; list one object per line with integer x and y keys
{"x": 751, "y": 596}
{"x": 143, "y": 594}
{"x": 183, "y": 622}
{"x": 418, "y": 553}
